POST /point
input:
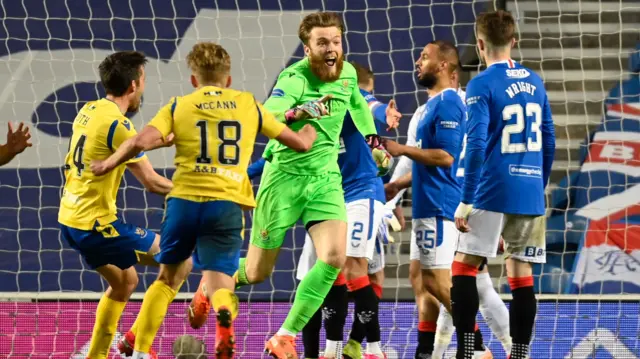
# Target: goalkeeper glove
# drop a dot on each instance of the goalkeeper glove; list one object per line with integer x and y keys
{"x": 313, "y": 109}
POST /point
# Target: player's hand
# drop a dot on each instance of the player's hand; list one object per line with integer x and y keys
{"x": 312, "y": 109}
{"x": 461, "y": 215}
{"x": 99, "y": 168}
{"x": 309, "y": 133}
{"x": 19, "y": 140}
{"x": 393, "y": 147}
{"x": 391, "y": 190}
{"x": 393, "y": 115}
{"x": 168, "y": 141}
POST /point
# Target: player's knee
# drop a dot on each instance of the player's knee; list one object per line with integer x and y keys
{"x": 333, "y": 257}
{"x": 517, "y": 268}
{"x": 355, "y": 267}
{"x": 122, "y": 289}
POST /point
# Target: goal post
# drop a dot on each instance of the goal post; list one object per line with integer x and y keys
{"x": 588, "y": 291}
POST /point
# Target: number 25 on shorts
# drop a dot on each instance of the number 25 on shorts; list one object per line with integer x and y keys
{"x": 426, "y": 240}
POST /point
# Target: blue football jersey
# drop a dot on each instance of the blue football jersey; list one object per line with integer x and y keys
{"x": 359, "y": 171}
{"x": 436, "y": 190}
{"x": 510, "y": 140}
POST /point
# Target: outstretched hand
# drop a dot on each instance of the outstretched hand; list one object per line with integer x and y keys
{"x": 19, "y": 140}
{"x": 393, "y": 115}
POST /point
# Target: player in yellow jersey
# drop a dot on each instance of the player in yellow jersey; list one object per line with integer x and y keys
{"x": 215, "y": 129}
{"x": 87, "y": 216}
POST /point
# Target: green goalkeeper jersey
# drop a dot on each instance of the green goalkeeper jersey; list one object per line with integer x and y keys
{"x": 297, "y": 85}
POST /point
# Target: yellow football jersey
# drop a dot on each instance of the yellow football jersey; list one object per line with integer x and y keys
{"x": 215, "y": 131}
{"x": 98, "y": 130}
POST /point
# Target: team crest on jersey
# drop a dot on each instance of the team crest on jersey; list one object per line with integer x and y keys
{"x": 141, "y": 232}
{"x": 345, "y": 86}
{"x": 264, "y": 234}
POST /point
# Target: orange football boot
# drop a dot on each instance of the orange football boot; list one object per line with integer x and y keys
{"x": 281, "y": 347}
{"x": 199, "y": 308}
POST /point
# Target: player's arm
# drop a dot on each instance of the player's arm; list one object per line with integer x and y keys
{"x": 285, "y": 95}
{"x": 128, "y": 145}
{"x": 150, "y": 179}
{"x": 17, "y": 142}
{"x": 300, "y": 141}
{"x": 387, "y": 114}
{"x": 363, "y": 119}
{"x": 255, "y": 169}
{"x": 447, "y": 134}
{"x": 548, "y": 142}
{"x": 477, "y": 127}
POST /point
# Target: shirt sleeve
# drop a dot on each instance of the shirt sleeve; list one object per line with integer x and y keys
{"x": 256, "y": 168}
{"x": 477, "y": 126}
{"x": 163, "y": 120}
{"x": 360, "y": 113}
{"x": 285, "y": 95}
{"x": 120, "y": 131}
{"x": 267, "y": 123}
{"x": 548, "y": 141}
{"x": 377, "y": 108}
{"x": 448, "y": 127}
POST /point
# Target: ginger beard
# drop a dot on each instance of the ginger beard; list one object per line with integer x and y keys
{"x": 327, "y": 66}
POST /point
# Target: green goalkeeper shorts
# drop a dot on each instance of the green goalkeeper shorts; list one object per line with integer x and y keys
{"x": 284, "y": 198}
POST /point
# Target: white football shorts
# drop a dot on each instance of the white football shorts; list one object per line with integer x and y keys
{"x": 433, "y": 242}
{"x": 524, "y": 236}
{"x": 364, "y": 218}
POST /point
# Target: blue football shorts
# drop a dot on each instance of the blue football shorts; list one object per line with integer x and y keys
{"x": 211, "y": 232}
{"x": 116, "y": 243}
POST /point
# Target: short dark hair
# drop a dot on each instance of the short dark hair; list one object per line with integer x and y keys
{"x": 497, "y": 27}
{"x": 448, "y": 52}
{"x": 318, "y": 19}
{"x": 119, "y": 69}
{"x": 364, "y": 73}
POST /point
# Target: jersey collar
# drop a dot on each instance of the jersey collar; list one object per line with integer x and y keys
{"x": 510, "y": 63}
{"x": 441, "y": 92}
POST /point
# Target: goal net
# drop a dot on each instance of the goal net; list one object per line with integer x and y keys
{"x": 585, "y": 51}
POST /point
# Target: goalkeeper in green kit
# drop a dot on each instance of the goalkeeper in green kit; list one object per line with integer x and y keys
{"x": 319, "y": 89}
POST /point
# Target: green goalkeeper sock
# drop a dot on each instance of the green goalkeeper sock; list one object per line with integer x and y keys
{"x": 241, "y": 274}
{"x": 309, "y": 296}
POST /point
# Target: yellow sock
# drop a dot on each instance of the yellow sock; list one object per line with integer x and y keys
{"x": 107, "y": 318}
{"x": 225, "y": 298}
{"x": 154, "y": 308}
{"x": 134, "y": 327}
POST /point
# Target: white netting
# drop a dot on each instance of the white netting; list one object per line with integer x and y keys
{"x": 49, "y": 68}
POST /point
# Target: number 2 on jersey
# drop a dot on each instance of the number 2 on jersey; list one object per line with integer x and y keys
{"x": 229, "y": 133}
{"x": 532, "y": 109}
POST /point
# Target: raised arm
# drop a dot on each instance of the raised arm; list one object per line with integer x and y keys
{"x": 382, "y": 112}
{"x": 17, "y": 141}
{"x": 361, "y": 115}
{"x": 548, "y": 142}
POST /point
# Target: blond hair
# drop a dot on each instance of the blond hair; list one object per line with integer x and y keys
{"x": 209, "y": 62}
